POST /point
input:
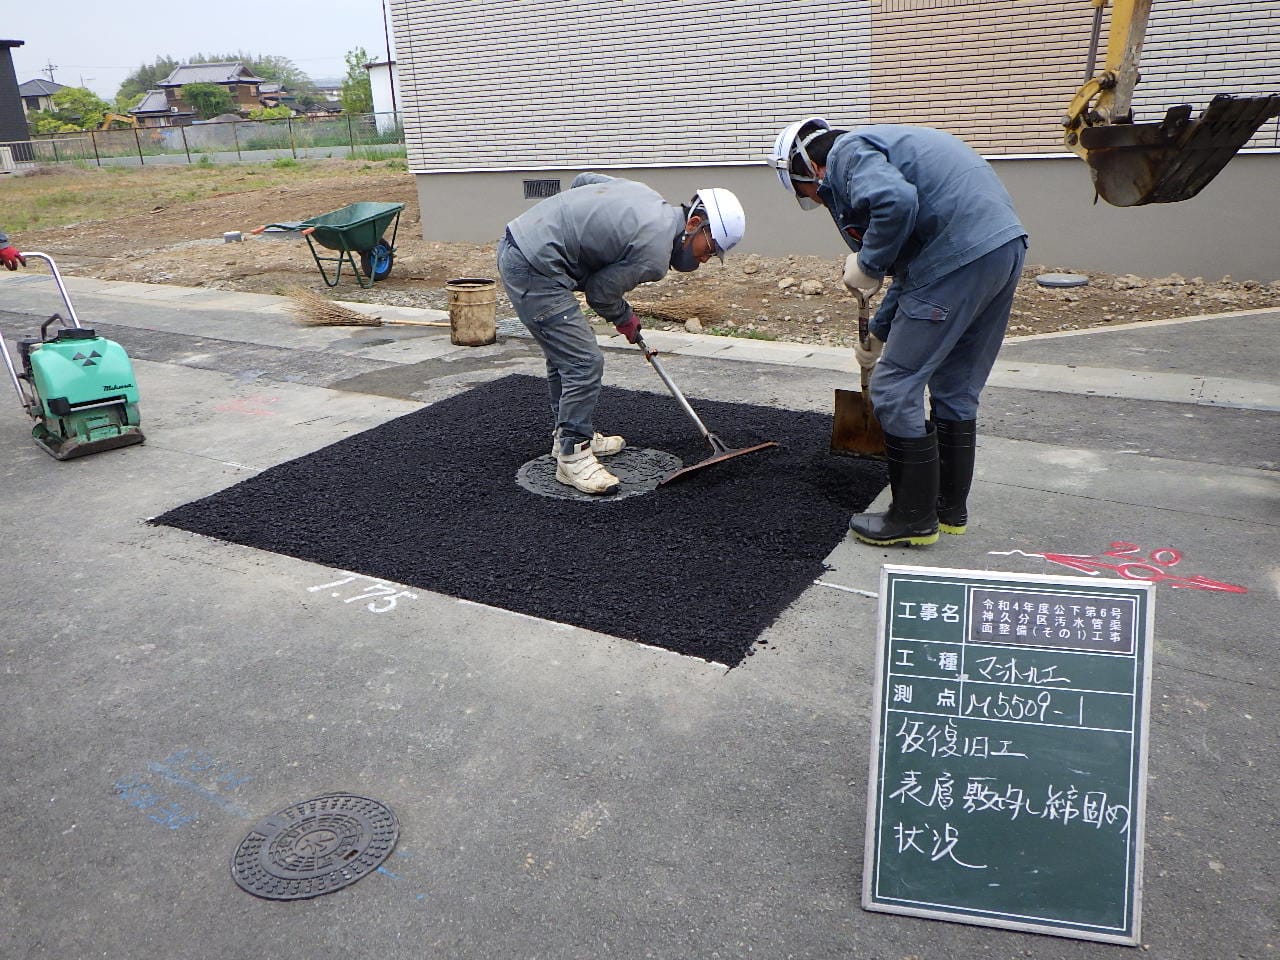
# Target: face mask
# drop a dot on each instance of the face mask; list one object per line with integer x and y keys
{"x": 823, "y": 199}
{"x": 682, "y": 258}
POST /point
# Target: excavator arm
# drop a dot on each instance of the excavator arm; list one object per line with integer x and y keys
{"x": 1162, "y": 162}
{"x": 111, "y": 118}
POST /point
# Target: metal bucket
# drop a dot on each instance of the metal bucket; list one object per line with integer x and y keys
{"x": 472, "y": 308}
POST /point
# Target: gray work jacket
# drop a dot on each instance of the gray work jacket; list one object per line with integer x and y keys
{"x": 604, "y": 236}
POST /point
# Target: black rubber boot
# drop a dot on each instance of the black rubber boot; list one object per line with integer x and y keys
{"x": 956, "y": 442}
{"x": 911, "y": 519}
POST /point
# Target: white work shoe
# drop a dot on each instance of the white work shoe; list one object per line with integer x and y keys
{"x": 601, "y": 445}
{"x": 584, "y": 472}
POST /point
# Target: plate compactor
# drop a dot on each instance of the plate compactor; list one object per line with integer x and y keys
{"x": 77, "y": 386}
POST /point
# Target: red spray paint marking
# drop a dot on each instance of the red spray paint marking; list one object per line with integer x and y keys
{"x": 1154, "y": 568}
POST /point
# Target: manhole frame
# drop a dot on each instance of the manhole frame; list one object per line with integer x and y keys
{"x": 254, "y": 860}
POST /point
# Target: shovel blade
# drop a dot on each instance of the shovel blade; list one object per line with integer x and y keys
{"x": 855, "y": 431}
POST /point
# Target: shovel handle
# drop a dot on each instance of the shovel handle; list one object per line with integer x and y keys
{"x": 864, "y": 332}
{"x": 864, "y": 317}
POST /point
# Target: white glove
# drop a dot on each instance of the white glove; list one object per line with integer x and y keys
{"x": 868, "y": 355}
{"x": 856, "y": 279}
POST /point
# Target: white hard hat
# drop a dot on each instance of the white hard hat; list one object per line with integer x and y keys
{"x": 787, "y": 147}
{"x": 725, "y": 216}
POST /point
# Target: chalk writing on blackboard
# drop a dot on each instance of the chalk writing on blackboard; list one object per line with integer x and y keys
{"x": 1008, "y": 763}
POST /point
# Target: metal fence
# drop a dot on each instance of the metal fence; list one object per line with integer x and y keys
{"x": 226, "y": 141}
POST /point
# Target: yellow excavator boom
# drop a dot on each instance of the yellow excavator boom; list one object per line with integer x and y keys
{"x": 1162, "y": 162}
{"x": 111, "y": 118}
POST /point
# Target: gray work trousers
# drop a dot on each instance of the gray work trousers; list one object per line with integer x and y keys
{"x": 945, "y": 335}
{"x": 575, "y": 362}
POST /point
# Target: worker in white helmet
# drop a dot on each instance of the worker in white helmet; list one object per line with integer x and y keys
{"x": 604, "y": 236}
{"x": 920, "y": 205}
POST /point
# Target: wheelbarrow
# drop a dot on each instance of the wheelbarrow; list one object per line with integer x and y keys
{"x": 358, "y": 229}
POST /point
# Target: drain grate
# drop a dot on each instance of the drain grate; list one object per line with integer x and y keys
{"x": 315, "y": 847}
{"x": 512, "y": 327}
{"x": 638, "y": 470}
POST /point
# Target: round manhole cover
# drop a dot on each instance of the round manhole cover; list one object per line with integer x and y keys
{"x": 315, "y": 847}
{"x": 639, "y": 470}
{"x": 1062, "y": 280}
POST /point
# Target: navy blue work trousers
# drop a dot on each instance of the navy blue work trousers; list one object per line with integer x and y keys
{"x": 945, "y": 336}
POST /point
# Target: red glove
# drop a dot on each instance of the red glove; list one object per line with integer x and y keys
{"x": 10, "y": 257}
{"x": 629, "y": 328}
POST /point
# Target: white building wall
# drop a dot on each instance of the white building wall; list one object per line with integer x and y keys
{"x": 1197, "y": 48}
{"x": 684, "y": 95}
{"x": 384, "y": 84}
{"x": 615, "y": 83}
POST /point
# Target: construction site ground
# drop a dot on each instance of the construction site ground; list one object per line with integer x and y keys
{"x": 563, "y": 792}
{"x": 166, "y": 225}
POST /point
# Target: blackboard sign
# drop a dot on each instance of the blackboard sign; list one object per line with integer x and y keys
{"x": 1008, "y": 764}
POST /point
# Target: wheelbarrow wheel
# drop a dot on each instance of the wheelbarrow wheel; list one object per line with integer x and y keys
{"x": 376, "y": 263}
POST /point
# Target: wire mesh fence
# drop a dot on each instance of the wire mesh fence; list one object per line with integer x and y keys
{"x": 215, "y": 141}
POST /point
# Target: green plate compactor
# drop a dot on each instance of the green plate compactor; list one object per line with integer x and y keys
{"x": 77, "y": 386}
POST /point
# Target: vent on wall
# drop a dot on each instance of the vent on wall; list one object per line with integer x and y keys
{"x": 538, "y": 189}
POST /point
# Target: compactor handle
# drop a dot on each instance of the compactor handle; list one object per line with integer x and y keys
{"x": 57, "y": 279}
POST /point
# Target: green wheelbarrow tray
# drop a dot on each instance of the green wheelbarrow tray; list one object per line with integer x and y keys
{"x": 358, "y": 228}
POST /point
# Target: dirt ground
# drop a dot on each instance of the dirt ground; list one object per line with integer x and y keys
{"x": 772, "y": 298}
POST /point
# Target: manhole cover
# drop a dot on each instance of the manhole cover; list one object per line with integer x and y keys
{"x": 1062, "y": 280}
{"x": 639, "y": 470}
{"x": 315, "y": 847}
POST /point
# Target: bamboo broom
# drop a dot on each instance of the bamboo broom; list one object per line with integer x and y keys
{"x": 314, "y": 310}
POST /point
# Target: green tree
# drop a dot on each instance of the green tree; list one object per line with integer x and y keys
{"x": 125, "y": 104}
{"x": 80, "y": 108}
{"x": 146, "y": 77}
{"x": 46, "y": 121}
{"x": 208, "y": 100}
{"x": 357, "y": 91}
{"x": 270, "y": 113}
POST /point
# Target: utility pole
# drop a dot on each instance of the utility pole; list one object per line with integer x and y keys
{"x": 49, "y": 67}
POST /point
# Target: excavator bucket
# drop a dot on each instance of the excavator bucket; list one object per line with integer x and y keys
{"x": 1138, "y": 163}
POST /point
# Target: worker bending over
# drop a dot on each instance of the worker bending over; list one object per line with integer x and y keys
{"x": 603, "y": 236}
{"x": 919, "y": 205}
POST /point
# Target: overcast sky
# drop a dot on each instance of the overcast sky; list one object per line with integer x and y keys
{"x": 96, "y": 44}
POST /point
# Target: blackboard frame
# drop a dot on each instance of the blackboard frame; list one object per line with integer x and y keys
{"x": 1138, "y": 594}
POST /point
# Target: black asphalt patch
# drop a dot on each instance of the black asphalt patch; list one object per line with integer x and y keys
{"x": 700, "y": 567}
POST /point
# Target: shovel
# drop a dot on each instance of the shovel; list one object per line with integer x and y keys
{"x": 719, "y": 450}
{"x": 855, "y": 431}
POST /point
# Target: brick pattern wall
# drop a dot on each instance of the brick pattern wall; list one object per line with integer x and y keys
{"x": 1002, "y": 74}
{"x": 1196, "y": 48}
{"x": 526, "y": 84}
{"x": 529, "y": 84}
{"x": 998, "y": 74}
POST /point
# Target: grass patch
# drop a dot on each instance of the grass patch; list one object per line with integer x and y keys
{"x": 377, "y": 154}
{"x": 63, "y": 195}
{"x": 740, "y": 333}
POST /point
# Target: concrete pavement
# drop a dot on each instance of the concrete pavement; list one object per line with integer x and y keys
{"x": 563, "y": 793}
